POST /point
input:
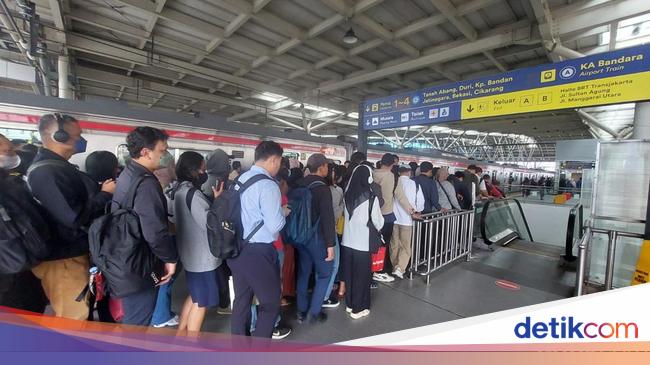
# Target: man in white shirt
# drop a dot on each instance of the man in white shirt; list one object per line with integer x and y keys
{"x": 483, "y": 192}
{"x": 400, "y": 244}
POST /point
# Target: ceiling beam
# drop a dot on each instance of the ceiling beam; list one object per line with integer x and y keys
{"x": 446, "y": 52}
{"x": 450, "y": 12}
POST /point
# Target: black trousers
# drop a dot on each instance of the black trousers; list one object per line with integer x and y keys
{"x": 255, "y": 272}
{"x": 357, "y": 275}
{"x": 387, "y": 234}
{"x": 139, "y": 307}
{"x": 223, "y": 274}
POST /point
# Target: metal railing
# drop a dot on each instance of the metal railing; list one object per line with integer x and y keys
{"x": 583, "y": 248}
{"x": 438, "y": 239}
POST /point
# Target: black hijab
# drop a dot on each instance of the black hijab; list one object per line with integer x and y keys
{"x": 358, "y": 190}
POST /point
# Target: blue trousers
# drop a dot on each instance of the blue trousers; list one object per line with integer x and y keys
{"x": 335, "y": 269}
{"x": 311, "y": 258}
{"x": 163, "y": 311}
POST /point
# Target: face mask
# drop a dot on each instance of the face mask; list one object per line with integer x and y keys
{"x": 201, "y": 179}
{"x": 9, "y": 162}
{"x": 80, "y": 145}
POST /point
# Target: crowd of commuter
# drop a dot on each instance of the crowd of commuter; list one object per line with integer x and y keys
{"x": 349, "y": 211}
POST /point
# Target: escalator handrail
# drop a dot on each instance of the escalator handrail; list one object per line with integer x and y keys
{"x": 575, "y": 217}
{"x": 521, "y": 210}
{"x": 486, "y": 207}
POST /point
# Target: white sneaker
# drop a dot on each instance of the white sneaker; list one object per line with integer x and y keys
{"x": 361, "y": 314}
{"x": 172, "y": 322}
{"x": 382, "y": 277}
{"x": 348, "y": 309}
{"x": 398, "y": 273}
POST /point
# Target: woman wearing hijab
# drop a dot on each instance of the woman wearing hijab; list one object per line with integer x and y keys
{"x": 363, "y": 221}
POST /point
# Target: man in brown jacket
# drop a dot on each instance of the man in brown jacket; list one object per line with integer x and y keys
{"x": 389, "y": 191}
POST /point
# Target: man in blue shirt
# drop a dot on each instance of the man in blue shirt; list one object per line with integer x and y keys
{"x": 255, "y": 271}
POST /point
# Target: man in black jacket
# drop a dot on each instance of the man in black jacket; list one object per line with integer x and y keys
{"x": 317, "y": 256}
{"x": 429, "y": 188}
{"x": 22, "y": 290}
{"x": 71, "y": 201}
{"x": 462, "y": 193}
{"x": 146, "y": 146}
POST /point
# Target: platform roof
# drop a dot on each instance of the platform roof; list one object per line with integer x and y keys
{"x": 283, "y": 63}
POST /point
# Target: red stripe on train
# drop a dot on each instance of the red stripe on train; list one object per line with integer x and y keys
{"x": 119, "y": 128}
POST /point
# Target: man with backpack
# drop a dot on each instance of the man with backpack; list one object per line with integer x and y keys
{"x": 71, "y": 201}
{"x": 23, "y": 235}
{"x": 138, "y": 190}
{"x": 255, "y": 269}
{"x": 315, "y": 253}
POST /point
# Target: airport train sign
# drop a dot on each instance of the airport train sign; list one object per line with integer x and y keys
{"x": 620, "y": 76}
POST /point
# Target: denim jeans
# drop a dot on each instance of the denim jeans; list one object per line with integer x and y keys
{"x": 335, "y": 268}
{"x": 163, "y": 311}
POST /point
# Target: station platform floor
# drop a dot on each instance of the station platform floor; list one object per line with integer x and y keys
{"x": 462, "y": 289}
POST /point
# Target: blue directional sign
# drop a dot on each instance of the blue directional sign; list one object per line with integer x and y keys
{"x": 608, "y": 78}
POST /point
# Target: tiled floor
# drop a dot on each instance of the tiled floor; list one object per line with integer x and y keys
{"x": 461, "y": 289}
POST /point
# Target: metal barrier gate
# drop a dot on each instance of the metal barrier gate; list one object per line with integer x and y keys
{"x": 439, "y": 239}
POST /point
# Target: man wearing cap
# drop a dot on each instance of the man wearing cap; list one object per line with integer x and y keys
{"x": 318, "y": 256}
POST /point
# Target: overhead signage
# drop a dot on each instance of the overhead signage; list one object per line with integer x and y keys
{"x": 608, "y": 78}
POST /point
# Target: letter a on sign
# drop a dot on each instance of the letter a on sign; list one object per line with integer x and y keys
{"x": 642, "y": 273}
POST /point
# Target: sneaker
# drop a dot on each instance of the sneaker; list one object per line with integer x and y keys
{"x": 382, "y": 277}
{"x": 319, "y": 318}
{"x": 348, "y": 309}
{"x": 374, "y": 285}
{"x": 398, "y": 273}
{"x": 226, "y": 310}
{"x": 172, "y": 322}
{"x": 363, "y": 313}
{"x": 331, "y": 303}
{"x": 301, "y": 316}
{"x": 280, "y": 333}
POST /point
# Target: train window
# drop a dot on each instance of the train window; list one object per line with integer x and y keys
{"x": 291, "y": 155}
{"x": 237, "y": 154}
{"x": 21, "y": 134}
{"x": 122, "y": 154}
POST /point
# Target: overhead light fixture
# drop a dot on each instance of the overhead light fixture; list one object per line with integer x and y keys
{"x": 238, "y": 95}
{"x": 350, "y": 37}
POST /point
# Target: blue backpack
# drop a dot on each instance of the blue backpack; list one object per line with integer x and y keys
{"x": 301, "y": 228}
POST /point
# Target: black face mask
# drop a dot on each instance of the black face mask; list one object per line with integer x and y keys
{"x": 201, "y": 179}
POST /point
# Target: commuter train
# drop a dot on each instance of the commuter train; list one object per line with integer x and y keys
{"x": 106, "y": 133}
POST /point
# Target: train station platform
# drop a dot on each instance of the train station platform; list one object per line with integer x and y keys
{"x": 512, "y": 276}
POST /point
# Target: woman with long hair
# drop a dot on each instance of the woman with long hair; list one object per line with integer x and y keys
{"x": 190, "y": 209}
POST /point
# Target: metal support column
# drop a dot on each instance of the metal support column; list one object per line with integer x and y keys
{"x": 362, "y": 134}
{"x": 65, "y": 91}
{"x": 641, "y": 121}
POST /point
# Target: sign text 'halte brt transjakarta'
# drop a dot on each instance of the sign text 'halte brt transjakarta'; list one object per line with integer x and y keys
{"x": 608, "y": 78}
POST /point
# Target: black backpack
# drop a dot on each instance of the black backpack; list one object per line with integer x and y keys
{"x": 225, "y": 229}
{"x": 301, "y": 226}
{"x": 24, "y": 233}
{"x": 120, "y": 251}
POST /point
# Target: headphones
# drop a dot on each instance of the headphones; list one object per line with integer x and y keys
{"x": 60, "y": 135}
{"x": 370, "y": 180}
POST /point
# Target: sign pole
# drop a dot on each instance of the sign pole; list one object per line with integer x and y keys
{"x": 362, "y": 133}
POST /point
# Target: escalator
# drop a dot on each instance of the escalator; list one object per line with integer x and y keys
{"x": 503, "y": 223}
